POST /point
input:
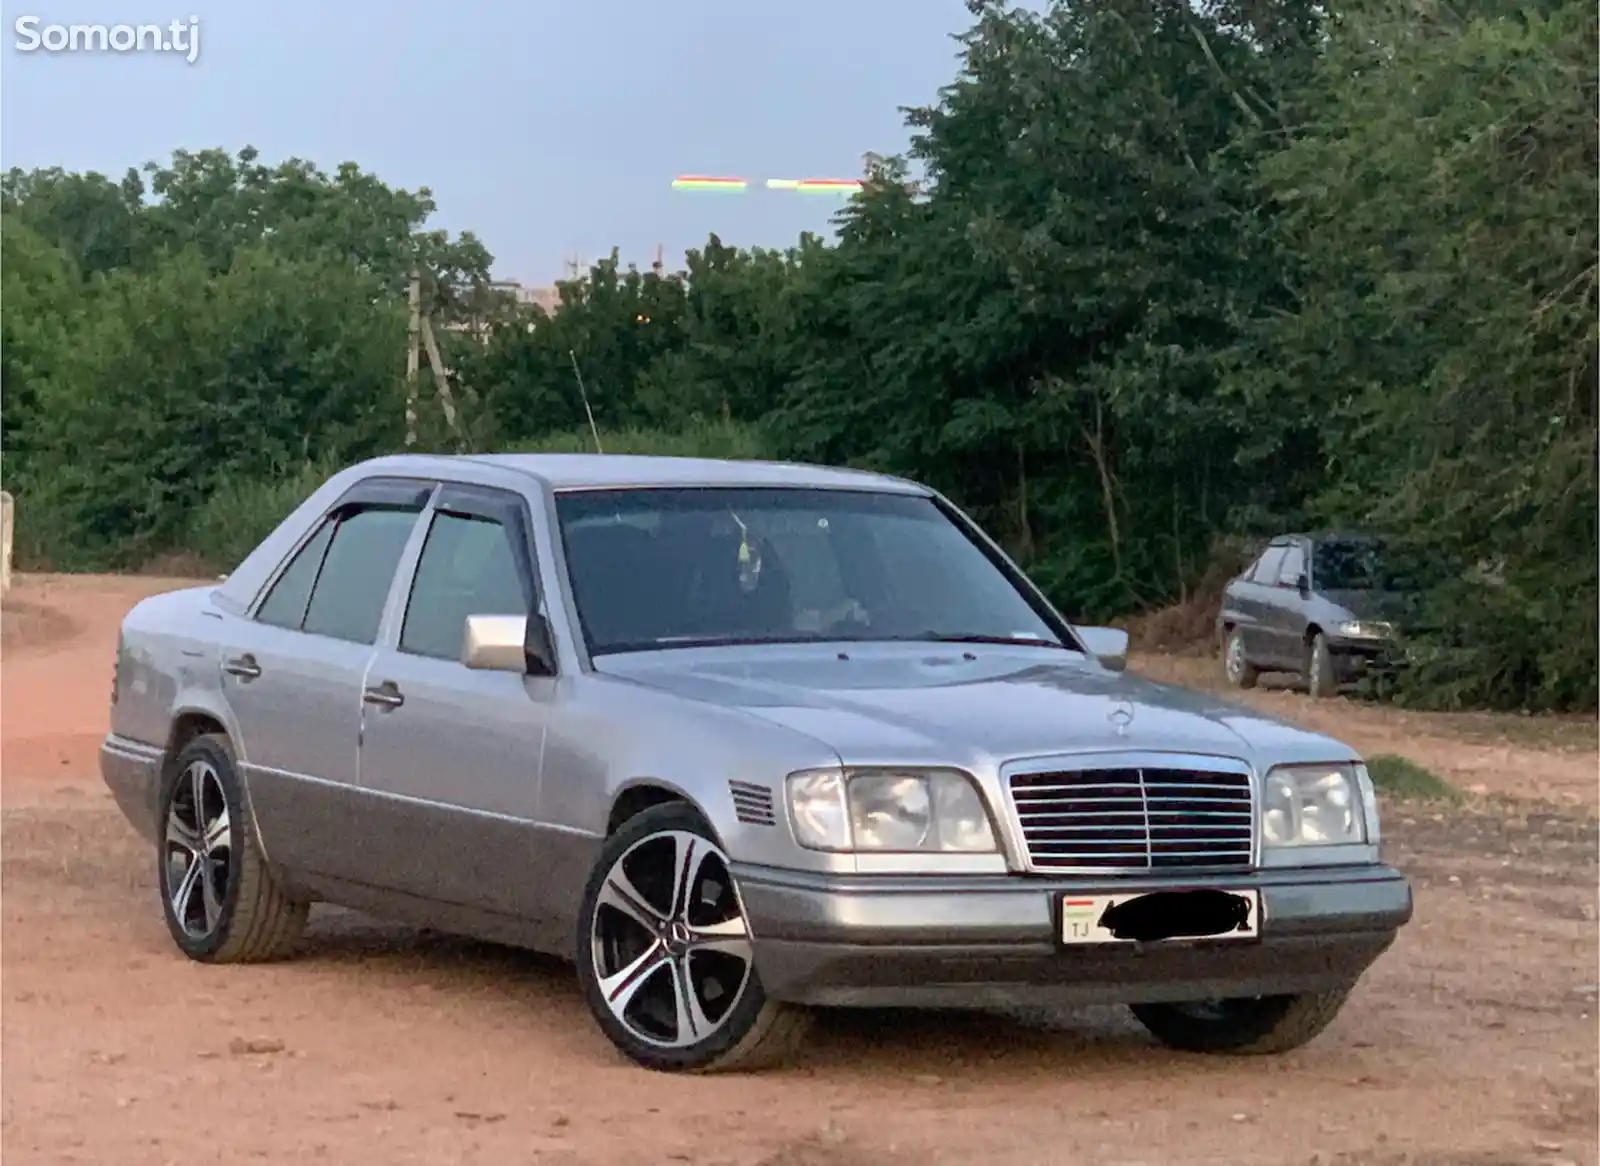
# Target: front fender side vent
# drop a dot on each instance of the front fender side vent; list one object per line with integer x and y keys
{"x": 752, "y": 803}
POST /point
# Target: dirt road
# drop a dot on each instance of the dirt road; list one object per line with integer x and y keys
{"x": 1473, "y": 1042}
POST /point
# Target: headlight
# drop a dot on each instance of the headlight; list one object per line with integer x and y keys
{"x": 1313, "y": 805}
{"x": 889, "y": 810}
{"x": 1364, "y": 629}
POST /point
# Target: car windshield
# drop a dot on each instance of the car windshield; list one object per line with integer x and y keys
{"x": 1352, "y": 565}
{"x": 662, "y": 568}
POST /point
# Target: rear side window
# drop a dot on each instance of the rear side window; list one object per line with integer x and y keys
{"x": 1266, "y": 568}
{"x": 468, "y": 567}
{"x": 347, "y": 602}
{"x": 285, "y": 605}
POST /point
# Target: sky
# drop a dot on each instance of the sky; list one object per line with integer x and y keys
{"x": 550, "y": 128}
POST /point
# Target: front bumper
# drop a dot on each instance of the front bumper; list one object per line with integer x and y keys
{"x": 1353, "y": 658}
{"x": 132, "y": 771}
{"x": 971, "y": 940}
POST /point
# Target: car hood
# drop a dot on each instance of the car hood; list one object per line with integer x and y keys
{"x": 883, "y": 704}
{"x": 1394, "y": 606}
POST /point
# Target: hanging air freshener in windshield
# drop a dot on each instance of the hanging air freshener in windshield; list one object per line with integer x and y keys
{"x": 749, "y": 558}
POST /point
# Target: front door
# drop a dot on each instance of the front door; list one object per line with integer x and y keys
{"x": 1253, "y": 599}
{"x": 1285, "y": 618}
{"x": 293, "y": 671}
{"x": 451, "y": 756}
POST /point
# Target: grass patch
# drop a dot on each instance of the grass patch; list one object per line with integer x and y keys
{"x": 1400, "y": 777}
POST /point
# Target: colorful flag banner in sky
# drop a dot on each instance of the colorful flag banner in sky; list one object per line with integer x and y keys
{"x": 705, "y": 182}
{"x": 739, "y": 185}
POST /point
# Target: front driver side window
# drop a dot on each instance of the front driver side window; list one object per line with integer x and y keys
{"x": 468, "y": 567}
{"x": 1294, "y": 566}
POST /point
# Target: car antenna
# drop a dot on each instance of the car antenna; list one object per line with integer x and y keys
{"x": 584, "y": 393}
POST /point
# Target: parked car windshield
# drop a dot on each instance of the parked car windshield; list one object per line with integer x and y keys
{"x": 1352, "y": 565}
{"x": 659, "y": 568}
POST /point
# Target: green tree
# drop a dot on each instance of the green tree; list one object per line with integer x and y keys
{"x": 1041, "y": 326}
{"x": 43, "y": 298}
{"x": 1442, "y": 198}
{"x": 184, "y": 380}
{"x": 99, "y": 225}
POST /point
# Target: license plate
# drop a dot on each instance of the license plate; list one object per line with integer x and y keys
{"x": 1160, "y": 916}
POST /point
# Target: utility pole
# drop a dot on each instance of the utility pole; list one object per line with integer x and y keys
{"x": 441, "y": 380}
{"x": 413, "y": 356}
{"x": 419, "y": 337}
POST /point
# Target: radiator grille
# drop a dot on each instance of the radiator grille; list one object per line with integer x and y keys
{"x": 1135, "y": 819}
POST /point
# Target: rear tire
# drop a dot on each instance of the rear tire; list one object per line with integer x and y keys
{"x": 1236, "y": 665}
{"x": 661, "y": 937}
{"x": 1258, "y": 1026}
{"x": 221, "y": 901}
{"x": 1319, "y": 674}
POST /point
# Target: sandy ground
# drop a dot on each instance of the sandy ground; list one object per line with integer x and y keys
{"x": 1473, "y": 1042}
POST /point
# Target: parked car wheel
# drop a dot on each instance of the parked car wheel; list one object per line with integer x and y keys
{"x": 665, "y": 954}
{"x": 1235, "y": 664}
{"x": 1252, "y": 1026}
{"x": 1319, "y": 675}
{"x": 221, "y": 902}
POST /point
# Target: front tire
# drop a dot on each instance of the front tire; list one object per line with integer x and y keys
{"x": 665, "y": 954}
{"x": 1256, "y": 1026}
{"x": 221, "y": 901}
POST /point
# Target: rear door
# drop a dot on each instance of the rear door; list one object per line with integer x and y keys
{"x": 451, "y": 756}
{"x": 292, "y": 672}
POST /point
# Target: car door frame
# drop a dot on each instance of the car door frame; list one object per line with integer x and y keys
{"x": 300, "y": 817}
{"x": 421, "y": 843}
{"x": 1253, "y": 608}
{"x": 1286, "y": 610}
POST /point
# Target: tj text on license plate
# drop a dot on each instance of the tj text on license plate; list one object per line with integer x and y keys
{"x": 1152, "y": 916}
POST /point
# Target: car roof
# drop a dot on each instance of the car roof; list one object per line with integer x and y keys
{"x": 576, "y": 471}
{"x": 1325, "y": 536}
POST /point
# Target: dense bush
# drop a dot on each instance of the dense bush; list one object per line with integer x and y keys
{"x": 242, "y": 511}
{"x": 1169, "y": 278}
{"x": 718, "y": 439}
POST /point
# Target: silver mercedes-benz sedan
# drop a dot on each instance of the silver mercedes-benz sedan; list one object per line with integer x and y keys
{"x": 737, "y": 738}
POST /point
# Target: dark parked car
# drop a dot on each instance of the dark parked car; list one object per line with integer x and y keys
{"x": 1322, "y": 606}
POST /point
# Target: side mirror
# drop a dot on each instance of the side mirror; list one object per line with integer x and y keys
{"x": 509, "y": 643}
{"x": 1108, "y": 645}
{"x": 1302, "y": 584}
{"x": 494, "y": 643}
{"x": 538, "y": 647}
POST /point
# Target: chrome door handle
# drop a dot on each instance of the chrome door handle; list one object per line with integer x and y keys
{"x": 385, "y": 695}
{"x": 244, "y": 667}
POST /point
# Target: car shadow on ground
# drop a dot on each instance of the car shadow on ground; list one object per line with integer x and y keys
{"x": 924, "y": 1042}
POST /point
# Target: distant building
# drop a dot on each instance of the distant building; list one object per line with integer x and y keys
{"x": 545, "y": 297}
